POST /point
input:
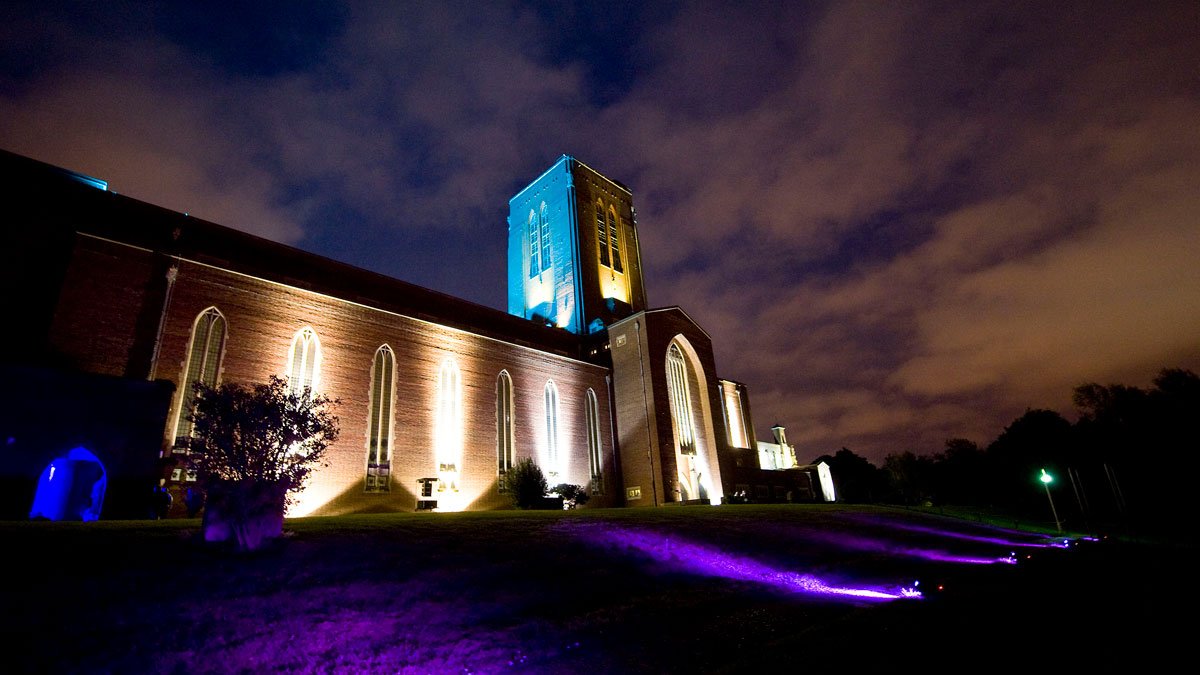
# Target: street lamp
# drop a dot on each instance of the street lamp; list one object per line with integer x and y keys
{"x": 1047, "y": 479}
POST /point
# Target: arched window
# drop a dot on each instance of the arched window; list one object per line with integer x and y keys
{"x": 681, "y": 400}
{"x": 614, "y": 239}
{"x": 379, "y": 421}
{"x": 602, "y": 235}
{"x": 593, "y": 437}
{"x": 504, "y": 427}
{"x": 203, "y": 364}
{"x": 535, "y": 246}
{"x": 552, "y": 429}
{"x": 449, "y": 425}
{"x": 539, "y": 241}
{"x": 608, "y": 238}
{"x": 304, "y": 362}
{"x": 545, "y": 237}
{"x": 734, "y": 416}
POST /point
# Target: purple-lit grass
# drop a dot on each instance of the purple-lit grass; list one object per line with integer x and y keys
{"x": 953, "y": 534}
{"x": 468, "y": 592}
{"x": 1011, "y": 539}
{"x": 890, "y": 547}
{"x": 679, "y": 553}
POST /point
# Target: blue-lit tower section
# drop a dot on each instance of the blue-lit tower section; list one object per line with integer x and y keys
{"x": 573, "y": 255}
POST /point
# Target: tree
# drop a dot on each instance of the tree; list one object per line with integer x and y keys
{"x": 856, "y": 478}
{"x": 1145, "y": 441}
{"x": 960, "y": 474}
{"x": 526, "y": 484}
{"x": 1175, "y": 416}
{"x": 1169, "y": 449}
{"x": 911, "y": 477}
{"x": 253, "y": 449}
{"x": 1038, "y": 439}
{"x": 1112, "y": 435}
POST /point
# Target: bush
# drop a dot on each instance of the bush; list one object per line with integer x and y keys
{"x": 526, "y": 484}
{"x": 253, "y": 449}
{"x": 573, "y": 495}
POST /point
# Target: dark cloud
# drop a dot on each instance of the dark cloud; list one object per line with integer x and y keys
{"x": 900, "y": 222}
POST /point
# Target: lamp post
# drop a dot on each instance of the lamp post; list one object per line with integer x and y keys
{"x": 1047, "y": 479}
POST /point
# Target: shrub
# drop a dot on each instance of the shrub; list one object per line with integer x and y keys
{"x": 253, "y": 449}
{"x": 526, "y": 484}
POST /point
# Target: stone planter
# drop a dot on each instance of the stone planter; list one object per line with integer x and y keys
{"x": 246, "y": 512}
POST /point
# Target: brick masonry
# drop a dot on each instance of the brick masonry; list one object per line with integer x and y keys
{"x": 120, "y": 283}
{"x": 95, "y": 327}
{"x": 646, "y": 435}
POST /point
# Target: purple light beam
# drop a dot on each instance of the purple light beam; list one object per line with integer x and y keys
{"x": 710, "y": 562}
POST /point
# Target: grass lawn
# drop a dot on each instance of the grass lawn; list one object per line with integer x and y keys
{"x": 728, "y": 589}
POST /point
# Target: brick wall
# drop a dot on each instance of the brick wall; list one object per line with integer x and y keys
{"x": 644, "y": 413}
{"x": 104, "y": 294}
{"x": 263, "y": 317}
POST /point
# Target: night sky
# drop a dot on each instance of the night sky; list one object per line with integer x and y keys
{"x": 900, "y": 222}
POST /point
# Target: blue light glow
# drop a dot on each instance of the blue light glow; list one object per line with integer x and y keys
{"x": 71, "y": 488}
{"x": 89, "y": 181}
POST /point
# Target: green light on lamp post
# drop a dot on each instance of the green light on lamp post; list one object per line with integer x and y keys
{"x": 1047, "y": 479}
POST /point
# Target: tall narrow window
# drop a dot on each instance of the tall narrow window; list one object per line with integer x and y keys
{"x": 602, "y": 235}
{"x": 379, "y": 421}
{"x": 545, "y": 237}
{"x": 535, "y": 247}
{"x": 593, "y": 436}
{"x": 681, "y": 400}
{"x": 504, "y": 427}
{"x": 304, "y": 362}
{"x": 735, "y": 424}
{"x": 203, "y": 365}
{"x": 552, "y": 429}
{"x": 615, "y": 240}
{"x": 449, "y": 426}
{"x": 608, "y": 237}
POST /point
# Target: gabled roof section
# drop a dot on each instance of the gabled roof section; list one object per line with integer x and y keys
{"x": 677, "y": 308}
{"x": 53, "y": 200}
{"x": 552, "y": 167}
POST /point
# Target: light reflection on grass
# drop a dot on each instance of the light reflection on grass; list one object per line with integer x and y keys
{"x": 679, "y": 553}
{"x": 454, "y": 592}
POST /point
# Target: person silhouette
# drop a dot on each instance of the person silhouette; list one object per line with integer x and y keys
{"x": 194, "y": 500}
{"x": 162, "y": 502}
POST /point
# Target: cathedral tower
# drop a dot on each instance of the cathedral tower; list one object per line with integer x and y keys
{"x": 573, "y": 255}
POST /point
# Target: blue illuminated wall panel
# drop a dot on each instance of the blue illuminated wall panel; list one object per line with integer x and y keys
{"x": 542, "y": 259}
{"x": 557, "y": 274}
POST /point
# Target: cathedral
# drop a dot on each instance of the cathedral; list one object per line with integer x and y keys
{"x": 116, "y": 306}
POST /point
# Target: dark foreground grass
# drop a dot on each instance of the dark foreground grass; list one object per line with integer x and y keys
{"x": 593, "y": 591}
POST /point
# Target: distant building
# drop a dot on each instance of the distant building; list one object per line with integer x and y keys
{"x": 121, "y": 305}
{"x": 779, "y": 455}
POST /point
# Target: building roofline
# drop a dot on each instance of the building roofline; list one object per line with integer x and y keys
{"x": 552, "y": 167}
{"x": 569, "y": 160}
{"x": 611, "y": 180}
{"x": 133, "y": 222}
{"x": 679, "y": 309}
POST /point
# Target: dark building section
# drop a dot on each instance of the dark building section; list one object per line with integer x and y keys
{"x": 45, "y": 413}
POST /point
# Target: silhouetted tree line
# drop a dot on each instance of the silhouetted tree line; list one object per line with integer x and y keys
{"x": 1130, "y": 459}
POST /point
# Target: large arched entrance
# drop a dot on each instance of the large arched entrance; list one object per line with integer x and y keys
{"x": 691, "y": 424}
